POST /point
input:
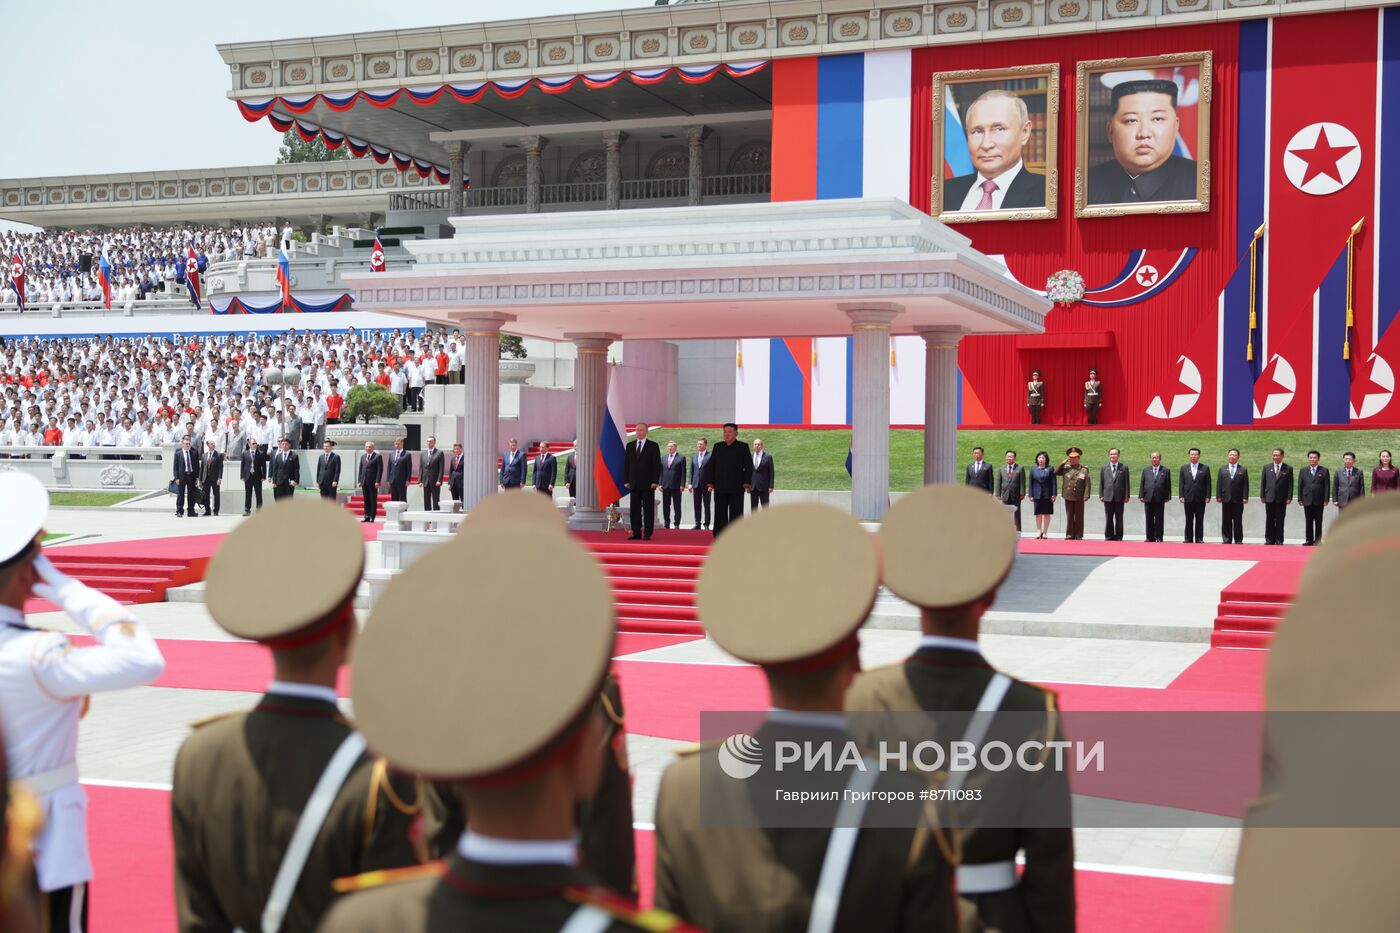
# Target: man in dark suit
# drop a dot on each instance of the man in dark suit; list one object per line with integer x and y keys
{"x": 1276, "y": 489}
{"x": 1314, "y": 489}
{"x": 1113, "y": 493}
{"x": 761, "y": 481}
{"x": 430, "y": 465}
{"x": 998, "y": 128}
{"x": 731, "y": 472}
{"x": 1011, "y": 486}
{"x": 328, "y": 471}
{"x": 546, "y": 469}
{"x": 370, "y": 476}
{"x": 285, "y": 470}
{"x": 455, "y": 474}
{"x": 252, "y": 470}
{"x": 1154, "y": 489}
{"x": 672, "y": 481}
{"x": 186, "y": 477}
{"x": 1194, "y": 488}
{"x": 979, "y": 471}
{"x": 1232, "y": 492}
{"x": 400, "y": 471}
{"x": 641, "y": 476}
{"x": 1142, "y": 130}
{"x": 571, "y": 471}
{"x": 1348, "y": 485}
{"x": 700, "y": 483}
{"x": 512, "y": 466}
{"x": 211, "y": 477}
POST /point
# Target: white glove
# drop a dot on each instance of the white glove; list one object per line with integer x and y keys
{"x": 87, "y": 606}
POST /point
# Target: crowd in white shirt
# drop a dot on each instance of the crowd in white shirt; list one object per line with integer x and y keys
{"x": 142, "y": 392}
{"x": 144, "y": 260}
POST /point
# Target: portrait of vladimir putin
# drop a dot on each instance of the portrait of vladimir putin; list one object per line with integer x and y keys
{"x": 1142, "y": 129}
{"x": 998, "y": 129}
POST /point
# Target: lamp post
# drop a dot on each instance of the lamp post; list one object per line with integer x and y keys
{"x": 273, "y": 376}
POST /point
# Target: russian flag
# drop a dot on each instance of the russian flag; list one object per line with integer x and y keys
{"x": 608, "y": 471}
{"x": 104, "y": 278}
{"x": 956, "y": 160}
{"x": 192, "y": 277}
{"x": 284, "y": 274}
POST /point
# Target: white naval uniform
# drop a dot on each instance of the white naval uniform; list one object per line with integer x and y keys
{"x": 43, "y": 683}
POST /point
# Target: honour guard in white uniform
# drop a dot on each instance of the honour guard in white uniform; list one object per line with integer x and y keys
{"x": 44, "y": 687}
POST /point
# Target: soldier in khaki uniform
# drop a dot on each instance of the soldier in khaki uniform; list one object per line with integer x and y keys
{"x": 1075, "y": 487}
{"x": 1093, "y": 396}
{"x": 509, "y": 713}
{"x": 968, "y": 537}
{"x": 271, "y": 805}
{"x": 787, "y": 589}
{"x": 1035, "y": 396}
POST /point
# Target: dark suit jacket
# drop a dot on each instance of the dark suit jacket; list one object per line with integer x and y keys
{"x": 1345, "y": 489}
{"x": 211, "y": 468}
{"x": 252, "y": 468}
{"x": 673, "y": 476}
{"x": 371, "y": 469}
{"x": 456, "y": 468}
{"x": 1043, "y": 485}
{"x": 1174, "y": 180}
{"x": 513, "y": 473}
{"x": 1155, "y": 487}
{"x": 285, "y": 470}
{"x": 1314, "y": 490}
{"x": 762, "y": 480}
{"x": 430, "y": 463}
{"x": 400, "y": 468}
{"x": 1113, "y": 485}
{"x": 731, "y": 467}
{"x": 546, "y": 468}
{"x": 571, "y": 470}
{"x": 190, "y": 475}
{"x": 328, "y": 470}
{"x": 983, "y": 476}
{"x": 642, "y": 466}
{"x": 1194, "y": 490}
{"x": 1276, "y": 488}
{"x": 1232, "y": 491}
{"x": 1011, "y": 488}
{"x": 700, "y": 473}
{"x": 1027, "y": 190}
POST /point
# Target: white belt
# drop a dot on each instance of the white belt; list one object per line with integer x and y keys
{"x": 987, "y": 878}
{"x": 46, "y": 782}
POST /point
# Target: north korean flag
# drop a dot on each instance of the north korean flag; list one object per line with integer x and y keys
{"x": 192, "y": 277}
{"x": 376, "y": 257}
{"x": 17, "y": 279}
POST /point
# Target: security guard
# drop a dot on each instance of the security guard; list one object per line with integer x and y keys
{"x": 271, "y": 805}
{"x": 1093, "y": 397}
{"x": 1075, "y": 487}
{"x": 787, "y": 589}
{"x": 44, "y": 688}
{"x": 607, "y": 840}
{"x": 502, "y": 701}
{"x": 947, "y": 549}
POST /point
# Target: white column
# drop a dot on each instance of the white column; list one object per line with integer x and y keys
{"x": 480, "y": 424}
{"x": 456, "y": 168}
{"x": 870, "y": 409}
{"x": 590, "y": 398}
{"x": 941, "y": 403}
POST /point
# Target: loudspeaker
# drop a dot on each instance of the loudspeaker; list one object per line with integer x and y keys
{"x": 84, "y": 263}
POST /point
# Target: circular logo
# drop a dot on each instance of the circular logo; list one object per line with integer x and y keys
{"x": 191, "y": 265}
{"x": 740, "y": 756}
{"x": 19, "y": 268}
{"x": 1322, "y": 158}
{"x": 1147, "y": 275}
{"x": 1376, "y": 385}
{"x": 1184, "y": 395}
{"x": 1274, "y": 391}
{"x": 377, "y": 257}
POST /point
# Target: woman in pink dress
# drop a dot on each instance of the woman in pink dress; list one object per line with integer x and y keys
{"x": 1385, "y": 478}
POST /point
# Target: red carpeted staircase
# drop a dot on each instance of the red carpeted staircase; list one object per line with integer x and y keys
{"x": 653, "y": 583}
{"x": 1252, "y": 608}
{"x": 127, "y": 579}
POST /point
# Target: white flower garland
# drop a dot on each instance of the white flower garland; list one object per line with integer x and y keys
{"x": 1065, "y": 287}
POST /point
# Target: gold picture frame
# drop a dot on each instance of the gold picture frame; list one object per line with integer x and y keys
{"x": 1037, "y": 89}
{"x": 1103, "y": 185}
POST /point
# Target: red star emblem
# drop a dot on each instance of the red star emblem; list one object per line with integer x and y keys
{"x": 1322, "y": 158}
{"x": 1268, "y": 385}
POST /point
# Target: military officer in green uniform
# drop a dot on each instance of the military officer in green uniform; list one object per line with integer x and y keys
{"x": 509, "y": 714}
{"x": 969, "y": 538}
{"x": 1035, "y": 396}
{"x": 787, "y": 589}
{"x": 1093, "y": 396}
{"x": 1075, "y": 487}
{"x": 271, "y": 805}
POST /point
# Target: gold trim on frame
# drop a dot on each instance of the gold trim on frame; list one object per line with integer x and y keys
{"x": 1051, "y": 73}
{"x": 1083, "y": 71}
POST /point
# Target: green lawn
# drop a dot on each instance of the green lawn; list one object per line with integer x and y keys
{"x": 88, "y": 498}
{"x": 52, "y": 537}
{"x": 816, "y": 459}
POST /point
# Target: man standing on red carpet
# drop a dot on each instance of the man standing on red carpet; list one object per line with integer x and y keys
{"x": 45, "y": 684}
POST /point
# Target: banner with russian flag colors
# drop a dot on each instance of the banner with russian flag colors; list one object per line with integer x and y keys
{"x": 284, "y": 273}
{"x": 608, "y": 465}
{"x": 104, "y": 278}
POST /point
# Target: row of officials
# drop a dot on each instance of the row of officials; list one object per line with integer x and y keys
{"x": 484, "y": 782}
{"x": 1313, "y": 485}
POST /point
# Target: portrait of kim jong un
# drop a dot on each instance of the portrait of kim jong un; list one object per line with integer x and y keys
{"x": 994, "y": 144}
{"x": 1143, "y": 135}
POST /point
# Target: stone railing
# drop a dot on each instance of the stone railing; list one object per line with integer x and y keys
{"x": 176, "y": 304}
{"x": 250, "y": 276}
{"x": 637, "y": 192}
{"x": 116, "y": 469}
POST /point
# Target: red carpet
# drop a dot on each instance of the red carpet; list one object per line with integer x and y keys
{"x": 133, "y": 887}
{"x": 1177, "y": 550}
{"x": 1253, "y": 606}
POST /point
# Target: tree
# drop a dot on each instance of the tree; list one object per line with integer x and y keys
{"x": 512, "y": 347}
{"x": 369, "y": 401}
{"x": 296, "y": 149}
